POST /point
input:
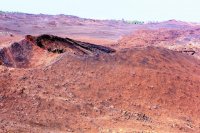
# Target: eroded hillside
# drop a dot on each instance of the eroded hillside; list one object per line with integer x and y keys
{"x": 83, "y": 79}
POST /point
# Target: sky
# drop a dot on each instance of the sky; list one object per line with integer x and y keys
{"x": 142, "y": 10}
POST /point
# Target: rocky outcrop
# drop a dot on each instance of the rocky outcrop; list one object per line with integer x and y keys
{"x": 17, "y": 55}
{"x": 60, "y": 45}
{"x": 20, "y": 54}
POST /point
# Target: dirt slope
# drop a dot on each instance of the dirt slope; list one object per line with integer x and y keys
{"x": 140, "y": 89}
{"x": 183, "y": 40}
{"x": 83, "y": 79}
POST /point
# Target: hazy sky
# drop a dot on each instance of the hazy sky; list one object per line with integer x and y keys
{"x": 145, "y": 10}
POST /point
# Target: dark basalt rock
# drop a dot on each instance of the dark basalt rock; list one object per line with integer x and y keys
{"x": 20, "y": 53}
{"x": 70, "y": 43}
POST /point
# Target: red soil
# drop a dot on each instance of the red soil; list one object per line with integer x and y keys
{"x": 178, "y": 40}
{"x": 146, "y": 85}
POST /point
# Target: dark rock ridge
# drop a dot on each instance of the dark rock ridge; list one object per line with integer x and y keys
{"x": 60, "y": 45}
{"x": 19, "y": 54}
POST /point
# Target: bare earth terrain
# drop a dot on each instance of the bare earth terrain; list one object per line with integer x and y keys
{"x": 63, "y": 74}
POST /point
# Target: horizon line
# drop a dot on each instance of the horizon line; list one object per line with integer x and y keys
{"x": 122, "y": 19}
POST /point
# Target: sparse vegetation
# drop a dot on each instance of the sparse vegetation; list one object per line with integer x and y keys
{"x": 134, "y": 22}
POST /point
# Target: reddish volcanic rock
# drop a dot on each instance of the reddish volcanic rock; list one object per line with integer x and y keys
{"x": 148, "y": 81}
{"x": 24, "y": 53}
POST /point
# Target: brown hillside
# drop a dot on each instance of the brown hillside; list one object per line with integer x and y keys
{"x": 139, "y": 89}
